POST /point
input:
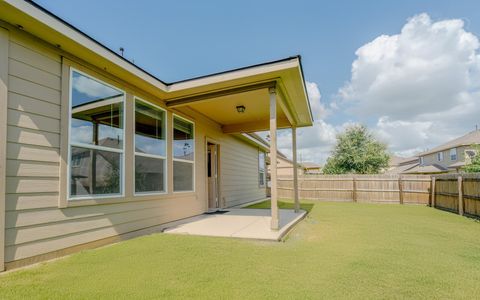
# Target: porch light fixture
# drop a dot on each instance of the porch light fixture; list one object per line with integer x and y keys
{"x": 241, "y": 109}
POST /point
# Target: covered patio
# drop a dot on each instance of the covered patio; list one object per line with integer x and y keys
{"x": 238, "y": 223}
{"x": 264, "y": 97}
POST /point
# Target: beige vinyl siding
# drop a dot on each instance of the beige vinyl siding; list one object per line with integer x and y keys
{"x": 239, "y": 171}
{"x": 431, "y": 159}
{"x": 35, "y": 225}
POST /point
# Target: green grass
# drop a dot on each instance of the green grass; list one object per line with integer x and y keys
{"x": 341, "y": 250}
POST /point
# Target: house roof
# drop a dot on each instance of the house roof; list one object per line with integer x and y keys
{"x": 465, "y": 140}
{"x": 398, "y": 160}
{"x": 426, "y": 169}
{"x": 248, "y": 86}
{"x": 399, "y": 169}
{"x": 310, "y": 165}
{"x": 457, "y": 164}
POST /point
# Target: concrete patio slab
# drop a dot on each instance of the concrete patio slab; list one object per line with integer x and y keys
{"x": 237, "y": 223}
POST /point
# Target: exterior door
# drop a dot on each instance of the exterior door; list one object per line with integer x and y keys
{"x": 212, "y": 161}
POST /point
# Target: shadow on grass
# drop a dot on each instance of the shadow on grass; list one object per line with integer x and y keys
{"x": 282, "y": 205}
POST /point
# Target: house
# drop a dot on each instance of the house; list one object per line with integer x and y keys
{"x": 285, "y": 167}
{"x": 448, "y": 157}
{"x": 94, "y": 149}
{"x": 400, "y": 165}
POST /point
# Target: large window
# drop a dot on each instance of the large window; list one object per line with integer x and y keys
{"x": 150, "y": 148}
{"x": 440, "y": 156}
{"x": 183, "y": 155}
{"x": 96, "y": 137}
{"x": 453, "y": 154}
{"x": 261, "y": 169}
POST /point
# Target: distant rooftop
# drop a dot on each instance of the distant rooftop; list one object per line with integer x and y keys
{"x": 465, "y": 140}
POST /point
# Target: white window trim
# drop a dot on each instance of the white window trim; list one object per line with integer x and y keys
{"x": 96, "y": 147}
{"x": 184, "y": 160}
{"x": 455, "y": 154}
{"x": 264, "y": 168}
{"x": 440, "y": 156}
{"x": 135, "y": 153}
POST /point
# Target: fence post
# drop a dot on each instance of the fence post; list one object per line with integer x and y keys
{"x": 354, "y": 191}
{"x": 400, "y": 189}
{"x": 432, "y": 190}
{"x": 460, "y": 195}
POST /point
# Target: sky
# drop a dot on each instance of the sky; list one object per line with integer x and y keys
{"x": 409, "y": 70}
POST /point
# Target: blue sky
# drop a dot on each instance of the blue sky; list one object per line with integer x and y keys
{"x": 181, "y": 39}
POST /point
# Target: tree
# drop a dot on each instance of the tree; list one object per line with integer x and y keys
{"x": 474, "y": 165}
{"x": 357, "y": 151}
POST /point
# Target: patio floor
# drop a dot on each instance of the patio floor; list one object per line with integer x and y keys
{"x": 237, "y": 223}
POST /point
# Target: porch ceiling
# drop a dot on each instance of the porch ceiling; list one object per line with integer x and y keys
{"x": 223, "y": 110}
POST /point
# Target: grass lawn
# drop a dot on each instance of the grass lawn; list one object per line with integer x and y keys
{"x": 341, "y": 250}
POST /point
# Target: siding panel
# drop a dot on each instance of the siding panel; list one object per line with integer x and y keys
{"x": 33, "y": 90}
{"x": 32, "y": 137}
{"x": 31, "y": 105}
{"x": 31, "y": 152}
{"x": 32, "y": 169}
{"x": 31, "y": 121}
{"x": 27, "y": 72}
{"x": 34, "y": 58}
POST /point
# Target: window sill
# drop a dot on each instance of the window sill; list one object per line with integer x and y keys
{"x": 116, "y": 200}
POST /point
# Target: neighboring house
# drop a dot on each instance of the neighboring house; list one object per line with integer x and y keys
{"x": 400, "y": 165}
{"x": 448, "y": 157}
{"x": 285, "y": 167}
{"x": 310, "y": 168}
{"x": 94, "y": 150}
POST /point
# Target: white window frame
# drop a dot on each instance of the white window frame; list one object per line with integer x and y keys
{"x": 453, "y": 152}
{"x": 135, "y": 153}
{"x": 440, "y": 156}
{"x": 184, "y": 160}
{"x": 264, "y": 168}
{"x": 94, "y": 147}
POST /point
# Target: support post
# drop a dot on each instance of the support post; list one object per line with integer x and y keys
{"x": 432, "y": 191}
{"x": 295, "y": 169}
{"x": 460, "y": 195}
{"x": 354, "y": 191}
{"x": 400, "y": 189}
{"x": 273, "y": 158}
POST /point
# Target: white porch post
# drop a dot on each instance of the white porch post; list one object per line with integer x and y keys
{"x": 273, "y": 158}
{"x": 295, "y": 169}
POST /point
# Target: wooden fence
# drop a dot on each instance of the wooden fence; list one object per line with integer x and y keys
{"x": 404, "y": 189}
{"x": 459, "y": 193}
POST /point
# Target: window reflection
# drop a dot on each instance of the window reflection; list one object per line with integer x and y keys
{"x": 94, "y": 172}
{"x": 149, "y": 130}
{"x": 96, "y": 122}
{"x": 183, "y": 146}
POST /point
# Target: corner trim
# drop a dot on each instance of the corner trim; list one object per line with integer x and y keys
{"x": 4, "y": 45}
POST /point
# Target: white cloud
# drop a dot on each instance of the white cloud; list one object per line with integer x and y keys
{"x": 421, "y": 84}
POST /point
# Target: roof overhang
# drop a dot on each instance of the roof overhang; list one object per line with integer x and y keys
{"x": 215, "y": 96}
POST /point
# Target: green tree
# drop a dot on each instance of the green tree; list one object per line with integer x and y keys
{"x": 474, "y": 165}
{"x": 357, "y": 151}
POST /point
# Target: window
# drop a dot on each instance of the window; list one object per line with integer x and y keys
{"x": 150, "y": 148}
{"x": 261, "y": 169}
{"x": 96, "y": 138}
{"x": 453, "y": 154}
{"x": 183, "y": 155}
{"x": 440, "y": 156}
